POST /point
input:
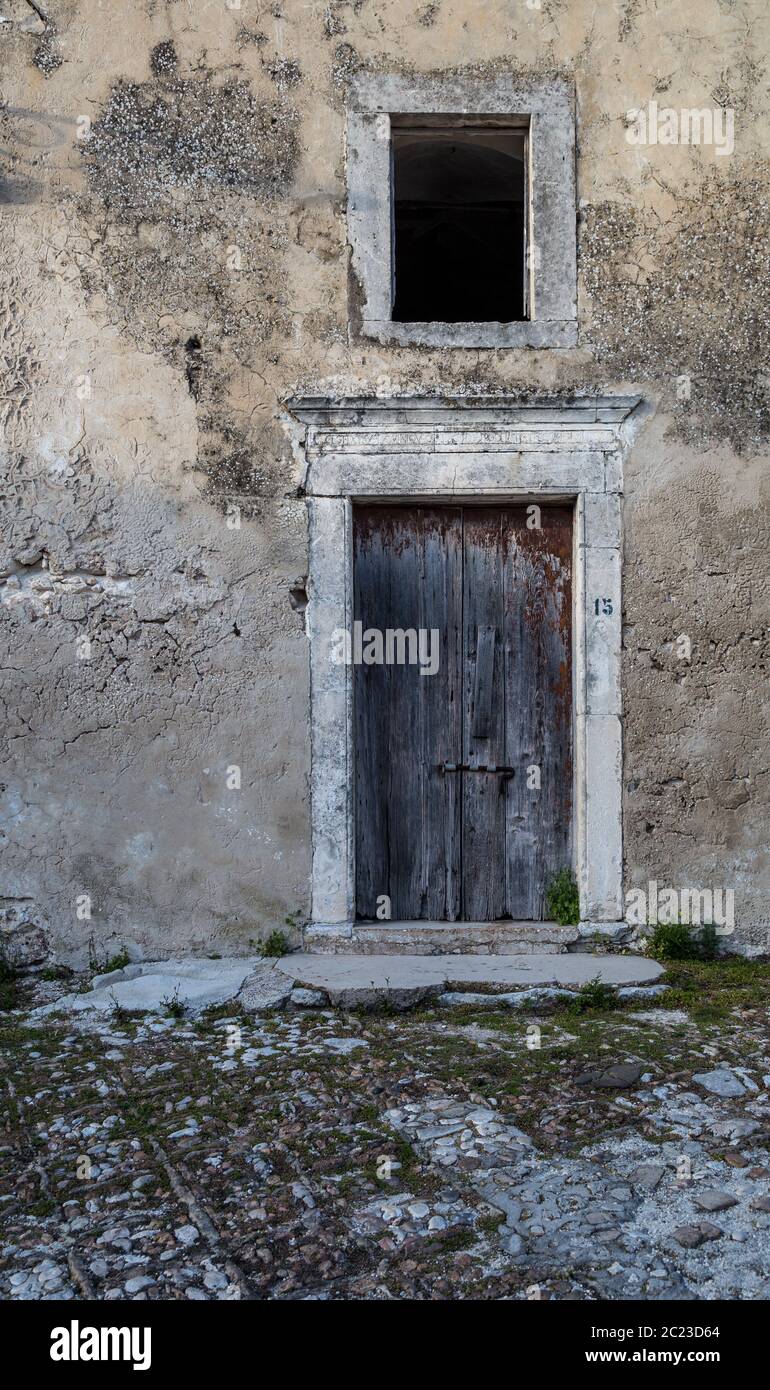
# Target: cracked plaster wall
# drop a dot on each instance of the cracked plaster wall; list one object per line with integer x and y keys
{"x": 175, "y": 267}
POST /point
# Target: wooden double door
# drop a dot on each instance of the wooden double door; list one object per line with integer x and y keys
{"x": 462, "y": 652}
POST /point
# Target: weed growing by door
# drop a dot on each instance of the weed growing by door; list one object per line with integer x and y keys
{"x": 562, "y": 899}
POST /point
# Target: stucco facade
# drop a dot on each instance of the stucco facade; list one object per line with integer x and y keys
{"x": 178, "y": 271}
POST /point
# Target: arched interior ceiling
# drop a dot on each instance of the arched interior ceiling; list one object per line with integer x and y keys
{"x": 459, "y": 166}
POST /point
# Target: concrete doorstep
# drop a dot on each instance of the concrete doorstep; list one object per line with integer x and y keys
{"x": 346, "y": 982}
{"x": 407, "y": 981}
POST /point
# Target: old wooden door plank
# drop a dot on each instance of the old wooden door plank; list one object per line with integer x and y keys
{"x": 538, "y": 715}
{"x": 483, "y": 680}
{"x": 483, "y": 860}
{"x": 373, "y": 717}
{"x": 441, "y": 706}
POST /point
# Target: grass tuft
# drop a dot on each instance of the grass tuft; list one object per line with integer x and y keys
{"x": 276, "y": 944}
{"x": 563, "y": 900}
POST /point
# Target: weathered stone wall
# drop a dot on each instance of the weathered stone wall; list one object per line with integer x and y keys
{"x": 176, "y": 266}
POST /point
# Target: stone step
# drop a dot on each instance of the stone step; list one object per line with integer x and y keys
{"x": 406, "y": 981}
{"x": 441, "y": 938}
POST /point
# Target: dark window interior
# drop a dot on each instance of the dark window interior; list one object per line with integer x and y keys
{"x": 459, "y": 223}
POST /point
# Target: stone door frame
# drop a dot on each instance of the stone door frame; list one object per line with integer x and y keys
{"x": 420, "y": 449}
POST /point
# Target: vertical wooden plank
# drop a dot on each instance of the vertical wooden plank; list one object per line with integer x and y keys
{"x": 483, "y": 866}
{"x": 441, "y": 706}
{"x": 538, "y": 715}
{"x": 398, "y": 609}
{"x": 407, "y": 575}
{"x": 371, "y": 717}
{"x": 483, "y": 681}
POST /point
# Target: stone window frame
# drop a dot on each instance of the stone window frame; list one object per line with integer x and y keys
{"x": 547, "y": 107}
{"x": 426, "y": 450}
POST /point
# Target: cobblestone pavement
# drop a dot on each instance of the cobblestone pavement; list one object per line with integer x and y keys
{"x": 468, "y": 1152}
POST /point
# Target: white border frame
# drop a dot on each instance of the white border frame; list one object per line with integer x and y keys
{"x": 431, "y": 450}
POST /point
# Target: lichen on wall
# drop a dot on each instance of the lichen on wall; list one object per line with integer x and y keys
{"x": 679, "y": 295}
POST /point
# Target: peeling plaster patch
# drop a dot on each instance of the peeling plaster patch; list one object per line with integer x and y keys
{"x": 163, "y": 59}
{"x": 334, "y": 23}
{"x": 285, "y": 73}
{"x": 48, "y": 55}
{"x": 19, "y": 363}
{"x": 183, "y": 175}
{"x": 161, "y": 278}
{"x": 345, "y": 65}
{"x": 668, "y": 294}
{"x": 245, "y": 37}
{"x": 185, "y": 134}
{"x": 239, "y": 463}
{"x": 40, "y": 585}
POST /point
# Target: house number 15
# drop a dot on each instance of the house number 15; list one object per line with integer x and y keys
{"x": 602, "y": 606}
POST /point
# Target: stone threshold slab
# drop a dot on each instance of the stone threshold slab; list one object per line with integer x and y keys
{"x": 338, "y": 971}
